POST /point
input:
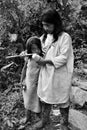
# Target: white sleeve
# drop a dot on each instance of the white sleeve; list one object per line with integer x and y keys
{"x": 61, "y": 59}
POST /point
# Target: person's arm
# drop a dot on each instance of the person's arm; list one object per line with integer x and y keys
{"x": 44, "y": 62}
{"x": 23, "y": 74}
{"x": 66, "y": 47}
{"x": 40, "y": 60}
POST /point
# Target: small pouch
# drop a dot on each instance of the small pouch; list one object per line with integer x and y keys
{"x": 23, "y": 85}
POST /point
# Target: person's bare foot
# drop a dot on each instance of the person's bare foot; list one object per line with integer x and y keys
{"x": 24, "y": 120}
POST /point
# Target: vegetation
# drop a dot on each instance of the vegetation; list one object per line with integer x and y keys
{"x": 20, "y": 19}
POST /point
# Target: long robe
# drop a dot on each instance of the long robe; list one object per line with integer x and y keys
{"x": 54, "y": 83}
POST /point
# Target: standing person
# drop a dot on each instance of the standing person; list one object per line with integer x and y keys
{"x": 55, "y": 76}
{"x": 29, "y": 76}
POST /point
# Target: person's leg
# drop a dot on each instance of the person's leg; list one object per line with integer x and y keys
{"x": 44, "y": 116}
{"x": 64, "y": 118}
{"x": 37, "y": 117}
{"x": 27, "y": 117}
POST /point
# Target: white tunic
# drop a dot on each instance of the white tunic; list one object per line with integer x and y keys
{"x": 54, "y": 83}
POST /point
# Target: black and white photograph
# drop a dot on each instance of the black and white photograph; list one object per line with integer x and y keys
{"x": 43, "y": 65}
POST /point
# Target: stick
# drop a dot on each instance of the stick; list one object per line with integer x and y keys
{"x": 6, "y": 66}
{"x": 15, "y": 56}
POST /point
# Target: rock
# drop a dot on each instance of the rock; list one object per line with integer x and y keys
{"x": 76, "y": 82}
{"x": 83, "y": 85}
{"x": 78, "y": 119}
{"x": 78, "y": 96}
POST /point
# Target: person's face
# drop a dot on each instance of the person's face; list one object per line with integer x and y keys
{"x": 49, "y": 28}
{"x": 35, "y": 49}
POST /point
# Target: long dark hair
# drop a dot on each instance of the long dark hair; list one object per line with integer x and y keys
{"x": 52, "y": 16}
{"x": 33, "y": 40}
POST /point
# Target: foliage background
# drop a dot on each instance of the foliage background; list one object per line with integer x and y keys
{"x": 22, "y": 18}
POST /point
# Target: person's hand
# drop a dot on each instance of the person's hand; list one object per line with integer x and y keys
{"x": 39, "y": 59}
{"x": 36, "y": 57}
{"x": 23, "y": 53}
